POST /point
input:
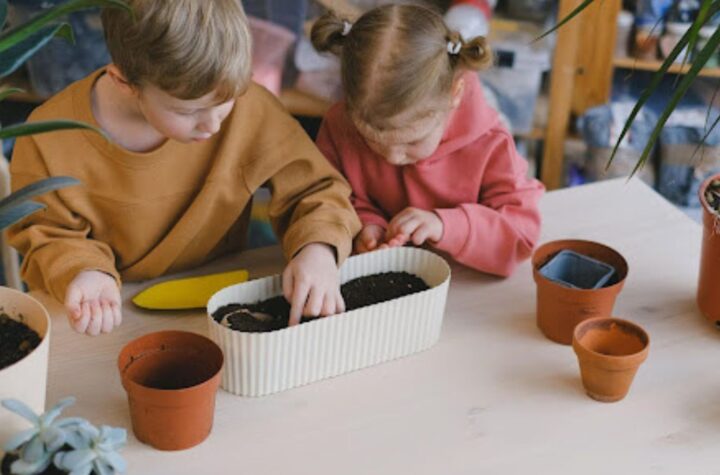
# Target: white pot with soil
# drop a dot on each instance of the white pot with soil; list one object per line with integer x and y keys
{"x": 24, "y": 347}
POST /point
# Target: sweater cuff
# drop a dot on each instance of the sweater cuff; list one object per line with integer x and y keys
{"x": 456, "y": 229}
{"x": 330, "y": 233}
{"x": 62, "y": 273}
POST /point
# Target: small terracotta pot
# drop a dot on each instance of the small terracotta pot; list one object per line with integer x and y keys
{"x": 708, "y": 293}
{"x": 171, "y": 379}
{"x": 609, "y": 351}
{"x": 560, "y": 308}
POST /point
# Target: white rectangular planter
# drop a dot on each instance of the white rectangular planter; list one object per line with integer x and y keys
{"x": 257, "y": 364}
{"x": 26, "y": 380}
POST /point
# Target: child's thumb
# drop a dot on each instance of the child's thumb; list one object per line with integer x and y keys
{"x": 73, "y": 298}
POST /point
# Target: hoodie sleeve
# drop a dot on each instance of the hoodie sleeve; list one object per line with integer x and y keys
{"x": 502, "y": 228}
{"x": 366, "y": 210}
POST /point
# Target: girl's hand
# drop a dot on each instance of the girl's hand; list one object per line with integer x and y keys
{"x": 311, "y": 283}
{"x": 416, "y": 226}
{"x": 369, "y": 239}
{"x": 93, "y": 303}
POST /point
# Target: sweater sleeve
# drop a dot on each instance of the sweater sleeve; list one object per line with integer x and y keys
{"x": 56, "y": 243}
{"x": 502, "y": 228}
{"x": 366, "y": 210}
{"x": 310, "y": 199}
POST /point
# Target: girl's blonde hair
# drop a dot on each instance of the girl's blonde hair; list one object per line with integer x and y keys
{"x": 395, "y": 57}
{"x": 187, "y": 48}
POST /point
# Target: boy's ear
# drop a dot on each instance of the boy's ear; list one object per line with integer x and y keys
{"x": 119, "y": 80}
{"x": 457, "y": 91}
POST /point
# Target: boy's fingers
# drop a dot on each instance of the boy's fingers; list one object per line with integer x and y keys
{"x": 117, "y": 314}
{"x": 329, "y": 306}
{"x": 297, "y": 303}
{"x": 108, "y": 320}
{"x": 81, "y": 325}
{"x": 314, "y": 304}
{"x": 73, "y": 299}
{"x": 95, "y": 325}
{"x": 287, "y": 285}
{"x": 339, "y": 302}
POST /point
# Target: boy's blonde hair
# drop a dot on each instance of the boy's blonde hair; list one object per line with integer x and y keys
{"x": 395, "y": 57}
{"x": 187, "y": 48}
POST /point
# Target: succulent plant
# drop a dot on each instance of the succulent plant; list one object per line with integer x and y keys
{"x": 71, "y": 444}
{"x": 93, "y": 451}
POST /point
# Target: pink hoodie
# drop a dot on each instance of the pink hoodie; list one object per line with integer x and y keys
{"x": 475, "y": 181}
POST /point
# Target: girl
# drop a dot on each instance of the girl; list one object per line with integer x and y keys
{"x": 426, "y": 157}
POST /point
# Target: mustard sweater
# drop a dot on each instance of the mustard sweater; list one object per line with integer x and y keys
{"x": 140, "y": 215}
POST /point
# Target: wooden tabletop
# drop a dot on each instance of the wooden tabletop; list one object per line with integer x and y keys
{"x": 493, "y": 396}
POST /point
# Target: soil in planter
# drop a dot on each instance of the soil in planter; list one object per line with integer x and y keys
{"x": 17, "y": 340}
{"x": 10, "y": 458}
{"x": 712, "y": 195}
{"x": 274, "y": 314}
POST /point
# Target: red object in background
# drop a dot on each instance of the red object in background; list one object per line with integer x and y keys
{"x": 482, "y": 5}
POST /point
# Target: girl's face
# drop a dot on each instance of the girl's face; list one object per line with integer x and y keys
{"x": 413, "y": 135}
{"x": 408, "y": 144}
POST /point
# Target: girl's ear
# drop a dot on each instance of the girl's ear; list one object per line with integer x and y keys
{"x": 457, "y": 91}
{"x": 120, "y": 81}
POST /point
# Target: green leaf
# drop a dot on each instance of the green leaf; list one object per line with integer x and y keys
{"x": 35, "y": 189}
{"x": 571, "y": 15}
{"x": 698, "y": 63}
{"x": 32, "y": 128}
{"x": 15, "y": 35}
{"x": 3, "y": 12}
{"x": 652, "y": 87}
{"x": 9, "y": 91}
{"x": 14, "y": 57}
{"x": 11, "y": 216}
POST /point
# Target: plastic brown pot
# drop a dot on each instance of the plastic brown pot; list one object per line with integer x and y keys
{"x": 560, "y": 308}
{"x": 609, "y": 352}
{"x": 708, "y": 293}
{"x": 171, "y": 379}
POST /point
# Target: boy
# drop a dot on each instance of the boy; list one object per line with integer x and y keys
{"x": 192, "y": 139}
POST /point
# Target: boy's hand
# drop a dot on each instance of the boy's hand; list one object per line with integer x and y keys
{"x": 369, "y": 239}
{"x": 416, "y": 226}
{"x": 311, "y": 283}
{"x": 93, "y": 303}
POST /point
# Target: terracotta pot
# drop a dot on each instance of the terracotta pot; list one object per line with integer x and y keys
{"x": 26, "y": 380}
{"x": 609, "y": 351}
{"x": 171, "y": 379}
{"x": 708, "y": 293}
{"x": 560, "y": 308}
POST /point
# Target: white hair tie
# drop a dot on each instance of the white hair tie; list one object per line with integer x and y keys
{"x": 454, "y": 48}
{"x": 347, "y": 26}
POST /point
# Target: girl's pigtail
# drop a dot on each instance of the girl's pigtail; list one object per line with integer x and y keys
{"x": 329, "y": 33}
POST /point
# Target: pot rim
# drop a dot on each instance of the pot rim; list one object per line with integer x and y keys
{"x": 632, "y": 360}
{"x": 139, "y": 391}
{"x": 43, "y": 338}
{"x": 701, "y": 193}
{"x": 539, "y": 277}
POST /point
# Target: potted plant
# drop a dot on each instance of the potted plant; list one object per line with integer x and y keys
{"x": 53, "y": 446}
{"x": 594, "y": 286}
{"x": 171, "y": 378}
{"x": 708, "y": 294}
{"x": 25, "y": 323}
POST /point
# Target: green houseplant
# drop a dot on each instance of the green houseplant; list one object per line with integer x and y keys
{"x": 24, "y": 376}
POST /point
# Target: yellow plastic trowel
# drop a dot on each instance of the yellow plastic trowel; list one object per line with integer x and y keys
{"x": 192, "y": 292}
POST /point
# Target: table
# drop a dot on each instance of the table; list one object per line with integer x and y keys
{"x": 493, "y": 396}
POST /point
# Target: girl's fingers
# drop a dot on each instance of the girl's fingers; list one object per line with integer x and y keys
{"x": 287, "y": 285}
{"x": 420, "y": 236}
{"x": 329, "y": 306}
{"x": 339, "y": 302}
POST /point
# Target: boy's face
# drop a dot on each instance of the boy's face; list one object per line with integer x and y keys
{"x": 182, "y": 120}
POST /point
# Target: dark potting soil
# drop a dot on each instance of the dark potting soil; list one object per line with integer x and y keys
{"x": 712, "y": 195}
{"x": 17, "y": 340}
{"x": 274, "y": 314}
{"x": 10, "y": 458}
